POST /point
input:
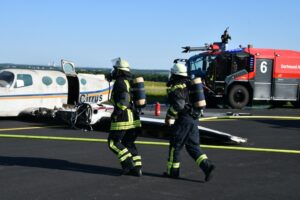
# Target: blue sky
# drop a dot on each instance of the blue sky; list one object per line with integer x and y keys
{"x": 149, "y": 34}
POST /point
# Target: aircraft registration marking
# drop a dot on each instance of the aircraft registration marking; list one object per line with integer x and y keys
{"x": 267, "y": 150}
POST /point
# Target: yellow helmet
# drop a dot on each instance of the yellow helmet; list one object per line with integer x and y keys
{"x": 179, "y": 69}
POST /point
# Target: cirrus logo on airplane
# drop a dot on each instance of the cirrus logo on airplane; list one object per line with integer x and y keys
{"x": 93, "y": 99}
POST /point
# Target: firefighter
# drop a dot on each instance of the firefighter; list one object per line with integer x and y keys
{"x": 225, "y": 37}
{"x": 185, "y": 131}
{"x": 125, "y": 123}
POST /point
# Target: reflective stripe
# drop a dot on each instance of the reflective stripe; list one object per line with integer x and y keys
{"x": 122, "y": 107}
{"x": 170, "y": 163}
{"x": 172, "y": 154}
{"x": 112, "y": 146}
{"x": 173, "y": 88}
{"x": 176, "y": 165}
{"x": 180, "y": 86}
{"x": 118, "y": 128}
{"x": 130, "y": 115}
{"x": 136, "y": 158}
{"x": 127, "y": 85}
{"x": 200, "y": 159}
{"x": 135, "y": 124}
{"x": 168, "y": 115}
{"x": 172, "y": 112}
{"x": 128, "y": 155}
{"x": 138, "y": 163}
{"x": 121, "y": 153}
{"x": 125, "y": 125}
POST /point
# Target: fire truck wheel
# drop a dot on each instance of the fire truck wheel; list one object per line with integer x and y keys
{"x": 238, "y": 96}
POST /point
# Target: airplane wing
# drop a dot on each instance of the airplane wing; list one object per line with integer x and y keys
{"x": 152, "y": 127}
{"x": 158, "y": 128}
{"x": 155, "y": 127}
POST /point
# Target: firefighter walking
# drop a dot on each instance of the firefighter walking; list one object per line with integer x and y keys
{"x": 125, "y": 122}
{"x": 185, "y": 131}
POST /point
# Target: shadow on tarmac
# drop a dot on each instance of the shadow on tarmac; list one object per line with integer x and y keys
{"x": 48, "y": 163}
{"x": 163, "y": 176}
{"x": 58, "y": 164}
{"x": 281, "y": 123}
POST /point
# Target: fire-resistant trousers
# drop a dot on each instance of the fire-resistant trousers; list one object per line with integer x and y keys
{"x": 184, "y": 133}
{"x": 121, "y": 143}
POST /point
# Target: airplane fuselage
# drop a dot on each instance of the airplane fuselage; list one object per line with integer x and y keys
{"x": 22, "y": 90}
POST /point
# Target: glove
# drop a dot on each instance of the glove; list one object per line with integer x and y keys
{"x": 168, "y": 121}
{"x": 196, "y": 113}
{"x": 138, "y": 111}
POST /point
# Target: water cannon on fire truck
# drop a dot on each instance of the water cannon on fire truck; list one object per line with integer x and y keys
{"x": 214, "y": 47}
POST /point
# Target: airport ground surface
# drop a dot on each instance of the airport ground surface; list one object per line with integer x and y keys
{"x": 63, "y": 163}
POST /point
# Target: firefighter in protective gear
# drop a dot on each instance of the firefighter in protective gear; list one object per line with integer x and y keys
{"x": 125, "y": 122}
{"x": 185, "y": 131}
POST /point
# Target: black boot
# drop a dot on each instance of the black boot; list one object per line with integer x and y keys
{"x": 207, "y": 168}
{"x": 174, "y": 173}
{"x": 127, "y": 166}
{"x": 137, "y": 171}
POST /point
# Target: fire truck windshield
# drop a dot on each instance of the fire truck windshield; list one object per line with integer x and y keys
{"x": 197, "y": 66}
{"x": 220, "y": 65}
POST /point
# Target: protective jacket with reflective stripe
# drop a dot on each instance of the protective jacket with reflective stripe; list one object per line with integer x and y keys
{"x": 178, "y": 98}
{"x": 124, "y": 116}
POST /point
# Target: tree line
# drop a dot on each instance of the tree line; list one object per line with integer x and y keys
{"x": 148, "y": 75}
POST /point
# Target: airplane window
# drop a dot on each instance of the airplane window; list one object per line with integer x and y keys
{"x": 23, "y": 80}
{"x": 60, "y": 80}
{"x": 6, "y": 79}
{"x": 83, "y": 81}
{"x": 47, "y": 80}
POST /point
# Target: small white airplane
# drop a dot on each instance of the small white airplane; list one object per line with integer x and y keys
{"x": 25, "y": 90}
{"x": 68, "y": 95}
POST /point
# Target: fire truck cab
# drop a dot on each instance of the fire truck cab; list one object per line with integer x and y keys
{"x": 243, "y": 75}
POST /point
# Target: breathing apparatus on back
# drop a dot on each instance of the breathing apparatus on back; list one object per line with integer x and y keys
{"x": 138, "y": 92}
{"x": 195, "y": 86}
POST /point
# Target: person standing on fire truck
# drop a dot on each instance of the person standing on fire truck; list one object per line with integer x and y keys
{"x": 125, "y": 121}
{"x": 225, "y": 37}
{"x": 185, "y": 131}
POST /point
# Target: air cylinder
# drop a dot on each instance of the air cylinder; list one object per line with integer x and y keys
{"x": 197, "y": 97}
{"x": 138, "y": 92}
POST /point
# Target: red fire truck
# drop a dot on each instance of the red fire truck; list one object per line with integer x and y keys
{"x": 243, "y": 75}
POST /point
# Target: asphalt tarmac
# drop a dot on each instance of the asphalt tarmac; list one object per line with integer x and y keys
{"x": 46, "y": 160}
